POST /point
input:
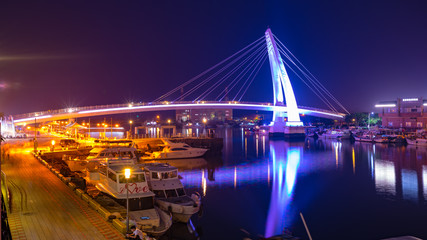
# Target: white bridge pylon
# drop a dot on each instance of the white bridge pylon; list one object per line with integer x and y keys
{"x": 282, "y": 88}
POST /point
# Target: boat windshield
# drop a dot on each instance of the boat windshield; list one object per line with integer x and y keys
{"x": 166, "y": 175}
{"x": 180, "y": 191}
{"x": 171, "y": 193}
{"x": 134, "y": 178}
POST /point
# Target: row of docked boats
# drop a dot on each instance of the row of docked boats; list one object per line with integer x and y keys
{"x": 156, "y": 195}
{"x": 372, "y": 136}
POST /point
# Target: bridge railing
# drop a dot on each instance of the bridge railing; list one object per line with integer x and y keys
{"x": 130, "y": 105}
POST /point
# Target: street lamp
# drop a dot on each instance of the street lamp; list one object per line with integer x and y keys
{"x": 130, "y": 130}
{"x": 204, "y": 124}
{"x": 53, "y": 145}
{"x": 127, "y": 176}
{"x": 369, "y": 119}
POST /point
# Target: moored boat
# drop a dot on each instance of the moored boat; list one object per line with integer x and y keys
{"x": 110, "y": 179}
{"x": 170, "y": 194}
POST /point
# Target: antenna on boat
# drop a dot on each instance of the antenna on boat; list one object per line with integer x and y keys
{"x": 305, "y": 225}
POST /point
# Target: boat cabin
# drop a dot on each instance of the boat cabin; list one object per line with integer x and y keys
{"x": 113, "y": 182}
{"x": 163, "y": 180}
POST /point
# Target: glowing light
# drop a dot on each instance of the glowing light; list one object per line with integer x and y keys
{"x": 410, "y": 99}
{"x": 53, "y": 142}
{"x": 127, "y": 173}
{"x": 117, "y": 125}
{"x": 32, "y": 119}
{"x": 385, "y": 105}
{"x": 130, "y": 122}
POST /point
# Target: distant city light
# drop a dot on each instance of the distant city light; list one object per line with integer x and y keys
{"x": 385, "y": 105}
{"x": 410, "y": 99}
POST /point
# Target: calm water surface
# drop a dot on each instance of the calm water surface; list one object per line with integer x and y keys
{"x": 344, "y": 190}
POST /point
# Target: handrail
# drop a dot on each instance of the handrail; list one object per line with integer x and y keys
{"x": 77, "y": 109}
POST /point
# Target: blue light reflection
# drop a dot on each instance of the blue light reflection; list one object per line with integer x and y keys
{"x": 285, "y": 167}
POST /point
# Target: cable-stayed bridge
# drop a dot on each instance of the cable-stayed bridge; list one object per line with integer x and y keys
{"x": 224, "y": 86}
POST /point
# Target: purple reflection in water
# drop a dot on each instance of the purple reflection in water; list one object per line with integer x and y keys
{"x": 284, "y": 172}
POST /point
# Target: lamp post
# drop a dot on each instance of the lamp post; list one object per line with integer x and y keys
{"x": 130, "y": 128}
{"x": 204, "y": 124}
{"x": 127, "y": 176}
{"x": 53, "y": 145}
{"x": 369, "y": 119}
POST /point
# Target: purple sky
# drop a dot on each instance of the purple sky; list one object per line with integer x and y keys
{"x": 77, "y": 53}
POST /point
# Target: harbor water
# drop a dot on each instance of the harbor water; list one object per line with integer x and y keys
{"x": 345, "y": 190}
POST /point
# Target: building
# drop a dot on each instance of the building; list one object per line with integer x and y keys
{"x": 409, "y": 113}
{"x": 197, "y": 115}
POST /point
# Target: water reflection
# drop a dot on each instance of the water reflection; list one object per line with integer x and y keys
{"x": 385, "y": 177}
{"x": 284, "y": 171}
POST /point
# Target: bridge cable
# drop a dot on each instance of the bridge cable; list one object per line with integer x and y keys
{"x": 244, "y": 92}
{"x": 316, "y": 91}
{"x": 313, "y": 77}
{"x": 206, "y": 71}
{"x": 218, "y": 72}
{"x": 240, "y": 76}
{"x": 256, "y": 63}
{"x": 225, "y": 77}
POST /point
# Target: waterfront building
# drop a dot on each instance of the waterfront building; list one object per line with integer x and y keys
{"x": 197, "y": 115}
{"x": 409, "y": 113}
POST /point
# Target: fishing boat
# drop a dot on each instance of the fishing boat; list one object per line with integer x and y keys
{"x": 110, "y": 179}
{"x": 163, "y": 181}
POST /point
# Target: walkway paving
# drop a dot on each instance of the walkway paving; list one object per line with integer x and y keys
{"x": 43, "y": 207}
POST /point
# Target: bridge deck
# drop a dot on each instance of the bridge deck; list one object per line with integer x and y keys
{"x": 43, "y": 207}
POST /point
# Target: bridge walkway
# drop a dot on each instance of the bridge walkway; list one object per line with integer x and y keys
{"x": 43, "y": 207}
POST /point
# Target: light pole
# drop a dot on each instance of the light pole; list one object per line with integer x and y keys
{"x": 369, "y": 119}
{"x": 130, "y": 130}
{"x": 204, "y": 124}
{"x": 127, "y": 176}
{"x": 35, "y": 135}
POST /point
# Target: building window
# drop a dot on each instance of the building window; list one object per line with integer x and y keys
{"x": 419, "y": 124}
{"x": 408, "y": 124}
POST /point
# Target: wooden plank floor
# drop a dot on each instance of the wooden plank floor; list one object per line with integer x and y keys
{"x": 43, "y": 207}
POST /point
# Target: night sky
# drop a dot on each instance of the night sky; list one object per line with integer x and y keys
{"x": 81, "y": 53}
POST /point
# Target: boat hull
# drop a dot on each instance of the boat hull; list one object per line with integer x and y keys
{"x": 180, "y": 213}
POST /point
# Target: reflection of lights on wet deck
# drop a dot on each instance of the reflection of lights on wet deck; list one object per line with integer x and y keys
{"x": 409, "y": 185}
{"x": 385, "y": 177}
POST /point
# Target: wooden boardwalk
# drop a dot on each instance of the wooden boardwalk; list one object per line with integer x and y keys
{"x": 43, "y": 207}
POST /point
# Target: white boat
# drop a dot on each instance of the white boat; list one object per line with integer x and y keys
{"x": 170, "y": 194}
{"x": 176, "y": 151}
{"x": 112, "y": 153}
{"x": 336, "y": 134}
{"x": 110, "y": 179}
{"x": 417, "y": 141}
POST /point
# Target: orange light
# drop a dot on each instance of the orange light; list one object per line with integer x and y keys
{"x": 117, "y": 125}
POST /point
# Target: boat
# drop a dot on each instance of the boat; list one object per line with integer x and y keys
{"x": 336, "y": 134}
{"x": 417, "y": 141}
{"x": 110, "y": 179}
{"x": 172, "y": 150}
{"x": 112, "y": 152}
{"x": 163, "y": 181}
